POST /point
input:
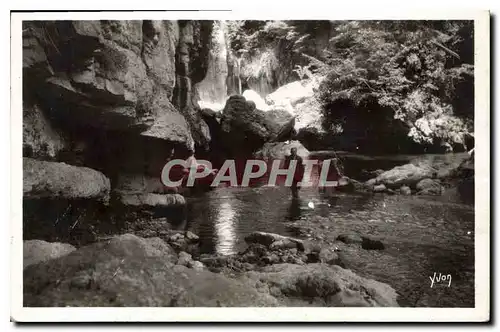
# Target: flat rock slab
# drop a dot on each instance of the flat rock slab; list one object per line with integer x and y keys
{"x": 153, "y": 200}
{"x": 45, "y": 179}
{"x": 36, "y": 251}
{"x": 268, "y": 239}
{"x": 408, "y": 174}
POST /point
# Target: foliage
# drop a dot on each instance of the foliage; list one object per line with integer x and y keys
{"x": 414, "y": 78}
{"x": 408, "y": 69}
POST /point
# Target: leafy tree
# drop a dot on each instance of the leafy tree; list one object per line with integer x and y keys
{"x": 407, "y": 70}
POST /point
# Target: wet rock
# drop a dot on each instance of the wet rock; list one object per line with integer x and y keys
{"x": 196, "y": 265}
{"x": 271, "y": 259}
{"x": 59, "y": 180}
{"x": 254, "y": 253}
{"x": 192, "y": 237}
{"x": 36, "y": 251}
{"x": 313, "y": 257}
{"x": 408, "y": 174}
{"x": 370, "y": 243}
{"x": 429, "y": 187}
{"x": 329, "y": 256}
{"x": 176, "y": 237}
{"x": 405, "y": 190}
{"x": 350, "y": 238}
{"x": 287, "y": 128}
{"x": 279, "y": 150}
{"x": 135, "y": 272}
{"x": 370, "y": 184}
{"x": 346, "y": 184}
{"x": 184, "y": 259}
{"x": 379, "y": 188}
{"x": 248, "y": 267}
{"x": 299, "y": 230}
{"x": 324, "y": 285}
{"x": 241, "y": 122}
{"x": 153, "y": 200}
{"x": 267, "y": 239}
{"x": 375, "y": 173}
{"x": 178, "y": 241}
{"x": 283, "y": 244}
{"x": 147, "y": 226}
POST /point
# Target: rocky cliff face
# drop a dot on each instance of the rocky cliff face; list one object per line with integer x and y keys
{"x": 212, "y": 91}
{"x": 109, "y": 98}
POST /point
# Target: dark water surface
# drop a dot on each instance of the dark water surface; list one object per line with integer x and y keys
{"x": 421, "y": 235}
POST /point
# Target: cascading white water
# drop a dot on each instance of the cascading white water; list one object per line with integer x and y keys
{"x": 212, "y": 91}
{"x": 239, "y": 76}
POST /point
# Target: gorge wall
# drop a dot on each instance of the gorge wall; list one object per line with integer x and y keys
{"x": 105, "y": 104}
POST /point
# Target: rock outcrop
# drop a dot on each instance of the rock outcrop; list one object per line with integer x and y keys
{"x": 324, "y": 285}
{"x": 105, "y": 105}
{"x": 429, "y": 187}
{"x": 280, "y": 150}
{"x": 127, "y": 270}
{"x": 134, "y": 76}
{"x": 408, "y": 175}
{"x": 246, "y": 128}
{"x": 36, "y": 251}
{"x": 272, "y": 240}
{"x": 42, "y": 179}
{"x": 130, "y": 271}
{"x": 424, "y": 175}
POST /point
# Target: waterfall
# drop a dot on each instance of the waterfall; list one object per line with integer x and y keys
{"x": 212, "y": 91}
{"x": 238, "y": 61}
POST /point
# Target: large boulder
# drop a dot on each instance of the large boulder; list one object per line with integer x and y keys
{"x": 323, "y": 285}
{"x": 408, "y": 175}
{"x": 405, "y": 190}
{"x": 247, "y": 128}
{"x": 36, "y": 251}
{"x": 445, "y": 165}
{"x": 268, "y": 239}
{"x": 45, "y": 179}
{"x": 429, "y": 187}
{"x": 130, "y": 271}
{"x": 280, "y": 150}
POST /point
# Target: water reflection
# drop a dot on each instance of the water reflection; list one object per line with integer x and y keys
{"x": 294, "y": 211}
{"x": 225, "y": 242}
{"x": 422, "y": 235}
